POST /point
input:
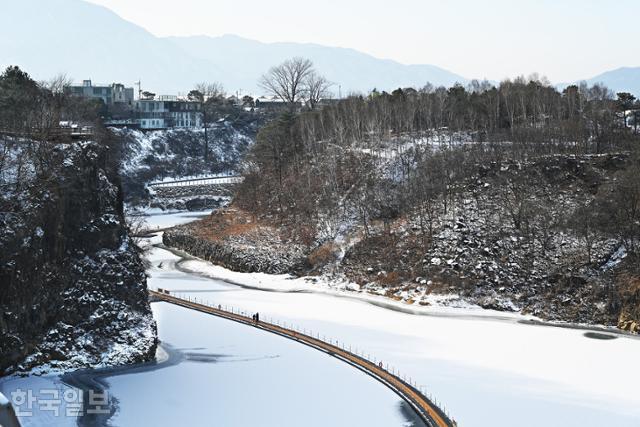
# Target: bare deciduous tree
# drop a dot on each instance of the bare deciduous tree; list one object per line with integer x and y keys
{"x": 316, "y": 88}
{"x": 57, "y": 99}
{"x": 209, "y": 95}
{"x": 287, "y": 80}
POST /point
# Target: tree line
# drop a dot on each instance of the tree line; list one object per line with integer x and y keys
{"x": 410, "y": 152}
{"x": 36, "y": 108}
{"x": 31, "y": 114}
{"x": 521, "y": 111}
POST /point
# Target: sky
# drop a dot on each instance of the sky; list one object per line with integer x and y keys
{"x": 565, "y": 40}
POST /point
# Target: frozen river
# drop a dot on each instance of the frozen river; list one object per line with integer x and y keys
{"x": 232, "y": 375}
{"x": 487, "y": 372}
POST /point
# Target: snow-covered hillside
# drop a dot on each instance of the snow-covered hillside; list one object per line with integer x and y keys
{"x": 178, "y": 153}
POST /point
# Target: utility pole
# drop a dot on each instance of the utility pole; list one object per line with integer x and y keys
{"x": 139, "y": 83}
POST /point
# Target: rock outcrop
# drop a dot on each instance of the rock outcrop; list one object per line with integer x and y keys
{"x": 629, "y": 319}
{"x": 237, "y": 256}
{"x": 72, "y": 285}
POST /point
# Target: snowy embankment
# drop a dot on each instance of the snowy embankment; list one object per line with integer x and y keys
{"x": 430, "y": 304}
{"x": 450, "y": 304}
{"x": 260, "y": 250}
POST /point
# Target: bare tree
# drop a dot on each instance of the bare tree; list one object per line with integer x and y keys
{"x": 316, "y": 88}
{"x": 57, "y": 100}
{"x": 287, "y": 80}
{"x": 209, "y": 95}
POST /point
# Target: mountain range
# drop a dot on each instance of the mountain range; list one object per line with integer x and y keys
{"x": 87, "y": 41}
{"x": 625, "y": 79}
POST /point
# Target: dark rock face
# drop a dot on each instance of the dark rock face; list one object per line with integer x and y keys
{"x": 236, "y": 256}
{"x": 72, "y": 286}
{"x": 192, "y": 197}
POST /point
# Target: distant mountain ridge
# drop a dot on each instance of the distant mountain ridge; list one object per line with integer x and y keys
{"x": 625, "y": 79}
{"x": 245, "y": 60}
{"x": 87, "y": 41}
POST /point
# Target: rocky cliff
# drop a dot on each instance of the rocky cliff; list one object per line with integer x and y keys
{"x": 72, "y": 285}
{"x": 239, "y": 254}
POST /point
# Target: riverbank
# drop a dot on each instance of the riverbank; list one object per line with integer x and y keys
{"x": 285, "y": 283}
{"x": 224, "y": 260}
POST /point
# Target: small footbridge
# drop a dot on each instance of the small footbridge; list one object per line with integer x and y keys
{"x": 197, "y": 187}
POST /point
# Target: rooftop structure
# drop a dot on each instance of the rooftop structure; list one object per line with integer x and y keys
{"x": 115, "y": 93}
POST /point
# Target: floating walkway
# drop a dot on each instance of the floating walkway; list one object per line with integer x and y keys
{"x": 424, "y": 407}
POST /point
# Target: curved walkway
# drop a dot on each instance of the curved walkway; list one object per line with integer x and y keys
{"x": 431, "y": 414}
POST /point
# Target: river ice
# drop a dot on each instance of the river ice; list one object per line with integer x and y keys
{"x": 234, "y": 375}
{"x": 157, "y": 219}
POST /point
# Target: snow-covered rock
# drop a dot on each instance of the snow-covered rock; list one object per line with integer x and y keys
{"x": 74, "y": 287}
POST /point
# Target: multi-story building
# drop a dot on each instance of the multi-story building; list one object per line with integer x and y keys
{"x": 150, "y": 114}
{"x": 184, "y": 114}
{"x": 121, "y": 94}
{"x": 167, "y": 112}
{"x": 115, "y": 93}
{"x": 162, "y": 112}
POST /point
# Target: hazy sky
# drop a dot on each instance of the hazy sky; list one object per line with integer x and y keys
{"x": 565, "y": 40}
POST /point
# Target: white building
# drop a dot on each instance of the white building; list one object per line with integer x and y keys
{"x": 168, "y": 112}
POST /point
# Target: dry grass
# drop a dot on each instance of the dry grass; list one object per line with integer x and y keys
{"x": 390, "y": 279}
{"x": 629, "y": 287}
{"x": 323, "y": 255}
{"x": 225, "y": 223}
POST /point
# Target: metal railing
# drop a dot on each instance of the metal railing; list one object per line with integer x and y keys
{"x": 55, "y": 133}
{"x": 234, "y": 179}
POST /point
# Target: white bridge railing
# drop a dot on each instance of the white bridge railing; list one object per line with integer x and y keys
{"x": 199, "y": 181}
